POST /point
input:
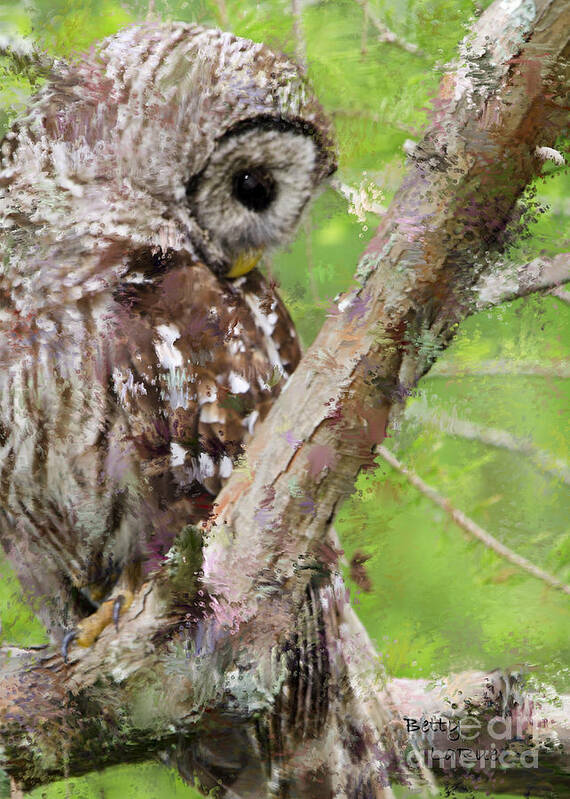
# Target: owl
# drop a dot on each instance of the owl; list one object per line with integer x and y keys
{"x": 139, "y": 344}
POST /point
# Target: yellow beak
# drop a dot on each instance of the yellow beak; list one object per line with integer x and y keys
{"x": 244, "y": 263}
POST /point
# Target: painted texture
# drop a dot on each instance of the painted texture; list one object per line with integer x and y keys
{"x": 426, "y": 579}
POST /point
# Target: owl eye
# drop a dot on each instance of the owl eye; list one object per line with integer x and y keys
{"x": 255, "y": 188}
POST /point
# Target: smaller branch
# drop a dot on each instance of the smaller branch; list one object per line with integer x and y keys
{"x": 308, "y": 230}
{"x": 387, "y": 35}
{"x": 541, "y": 274}
{"x": 371, "y": 116}
{"x": 300, "y": 47}
{"x": 7, "y": 650}
{"x": 361, "y": 200}
{"x": 550, "y": 154}
{"x": 470, "y": 526}
{"x": 364, "y": 37}
{"x": 15, "y": 791}
{"x": 494, "y": 438}
{"x": 561, "y": 294}
{"x": 488, "y": 712}
{"x": 502, "y": 368}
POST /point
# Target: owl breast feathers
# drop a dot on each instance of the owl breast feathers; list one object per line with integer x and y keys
{"x": 138, "y": 345}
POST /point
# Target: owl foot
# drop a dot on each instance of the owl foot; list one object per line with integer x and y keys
{"x": 90, "y": 628}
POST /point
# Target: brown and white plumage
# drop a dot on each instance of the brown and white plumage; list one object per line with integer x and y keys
{"x": 132, "y": 368}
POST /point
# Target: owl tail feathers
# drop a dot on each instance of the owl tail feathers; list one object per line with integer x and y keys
{"x": 332, "y": 731}
{"x": 364, "y": 748}
{"x": 222, "y": 763}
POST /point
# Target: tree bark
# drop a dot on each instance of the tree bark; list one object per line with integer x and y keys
{"x": 269, "y": 565}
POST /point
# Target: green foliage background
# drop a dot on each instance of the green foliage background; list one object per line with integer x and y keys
{"x": 440, "y": 602}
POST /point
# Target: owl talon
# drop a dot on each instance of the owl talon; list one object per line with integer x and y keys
{"x": 67, "y": 639}
{"x": 108, "y": 613}
{"x": 90, "y": 628}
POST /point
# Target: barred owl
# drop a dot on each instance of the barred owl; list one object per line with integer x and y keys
{"x": 139, "y": 345}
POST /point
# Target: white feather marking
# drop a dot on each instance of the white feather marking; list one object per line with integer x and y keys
{"x": 136, "y": 277}
{"x": 249, "y": 421}
{"x": 124, "y": 384}
{"x": 210, "y": 414}
{"x": 266, "y": 322}
{"x": 237, "y": 383}
{"x": 177, "y": 454}
{"x": 207, "y": 393}
{"x": 236, "y": 346}
{"x": 206, "y": 463}
{"x": 225, "y": 467}
{"x": 168, "y": 355}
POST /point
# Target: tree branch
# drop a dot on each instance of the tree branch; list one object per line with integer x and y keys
{"x": 502, "y": 368}
{"x": 454, "y": 719}
{"x": 561, "y": 294}
{"x": 493, "y": 437}
{"x": 542, "y": 274}
{"x": 384, "y": 32}
{"x": 267, "y": 561}
{"x": 467, "y": 524}
{"x": 300, "y": 47}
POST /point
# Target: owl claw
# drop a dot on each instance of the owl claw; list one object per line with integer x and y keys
{"x": 67, "y": 639}
{"x": 91, "y": 627}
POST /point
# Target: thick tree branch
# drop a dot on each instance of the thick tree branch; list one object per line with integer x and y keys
{"x": 469, "y": 724}
{"x": 266, "y": 548}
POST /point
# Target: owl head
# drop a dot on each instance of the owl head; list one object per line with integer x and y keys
{"x": 168, "y": 136}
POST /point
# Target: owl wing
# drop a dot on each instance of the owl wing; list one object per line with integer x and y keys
{"x": 62, "y": 497}
{"x": 119, "y": 412}
{"x": 206, "y": 360}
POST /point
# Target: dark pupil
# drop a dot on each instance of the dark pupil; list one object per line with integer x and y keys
{"x": 254, "y": 188}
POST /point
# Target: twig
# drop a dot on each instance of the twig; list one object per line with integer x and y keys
{"x": 359, "y": 200}
{"x": 502, "y": 368}
{"x": 364, "y": 36}
{"x": 469, "y": 525}
{"x": 15, "y": 791}
{"x": 223, "y": 17}
{"x": 300, "y": 47}
{"x": 308, "y": 229}
{"x": 371, "y": 116}
{"x": 561, "y": 294}
{"x": 387, "y": 35}
{"x": 494, "y": 438}
{"x": 541, "y": 274}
